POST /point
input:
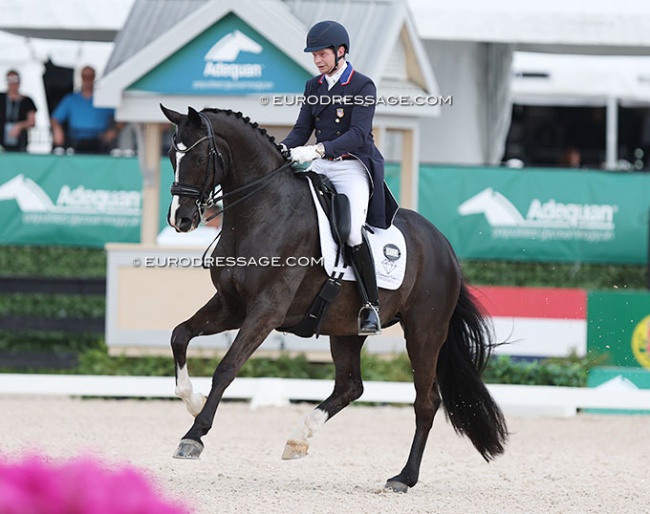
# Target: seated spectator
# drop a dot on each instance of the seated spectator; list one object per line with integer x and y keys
{"x": 90, "y": 129}
{"x": 570, "y": 158}
{"x": 17, "y": 114}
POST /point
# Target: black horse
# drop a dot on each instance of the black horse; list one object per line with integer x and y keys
{"x": 268, "y": 213}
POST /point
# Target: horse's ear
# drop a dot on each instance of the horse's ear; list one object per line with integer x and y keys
{"x": 194, "y": 117}
{"x": 173, "y": 116}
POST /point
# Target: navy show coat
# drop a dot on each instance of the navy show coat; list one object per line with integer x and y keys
{"x": 342, "y": 118}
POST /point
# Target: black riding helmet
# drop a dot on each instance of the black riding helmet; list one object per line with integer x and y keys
{"x": 327, "y": 34}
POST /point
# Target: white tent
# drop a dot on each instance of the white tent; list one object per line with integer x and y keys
{"x": 80, "y": 20}
{"x": 72, "y": 33}
{"x": 473, "y": 40}
{"x": 561, "y": 79}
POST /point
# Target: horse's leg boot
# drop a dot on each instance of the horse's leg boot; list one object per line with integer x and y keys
{"x": 364, "y": 269}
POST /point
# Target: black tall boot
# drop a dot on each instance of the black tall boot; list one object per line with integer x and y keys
{"x": 364, "y": 270}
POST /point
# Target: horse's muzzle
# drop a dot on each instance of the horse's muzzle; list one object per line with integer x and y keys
{"x": 185, "y": 224}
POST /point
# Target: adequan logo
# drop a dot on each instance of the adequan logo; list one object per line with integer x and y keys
{"x": 545, "y": 220}
{"x": 219, "y": 61}
{"x": 78, "y": 205}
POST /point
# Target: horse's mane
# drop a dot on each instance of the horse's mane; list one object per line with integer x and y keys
{"x": 261, "y": 130}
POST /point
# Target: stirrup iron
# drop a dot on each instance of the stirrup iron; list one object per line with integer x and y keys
{"x": 368, "y": 320}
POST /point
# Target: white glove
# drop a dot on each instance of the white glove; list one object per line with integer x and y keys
{"x": 302, "y": 154}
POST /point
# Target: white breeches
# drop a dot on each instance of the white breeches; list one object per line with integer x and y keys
{"x": 349, "y": 177}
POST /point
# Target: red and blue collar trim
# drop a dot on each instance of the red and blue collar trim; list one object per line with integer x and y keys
{"x": 345, "y": 78}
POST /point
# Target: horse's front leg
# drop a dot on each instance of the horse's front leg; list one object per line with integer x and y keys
{"x": 252, "y": 334}
{"x": 212, "y": 318}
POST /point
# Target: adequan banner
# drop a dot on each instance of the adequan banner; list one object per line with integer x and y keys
{"x": 539, "y": 215}
{"x": 69, "y": 201}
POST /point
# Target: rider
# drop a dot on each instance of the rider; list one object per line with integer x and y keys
{"x": 340, "y": 105}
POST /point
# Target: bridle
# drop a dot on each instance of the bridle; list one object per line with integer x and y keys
{"x": 204, "y": 195}
{"x": 208, "y": 195}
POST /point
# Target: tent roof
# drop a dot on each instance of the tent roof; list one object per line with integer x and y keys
{"x": 549, "y": 79}
{"x": 593, "y": 26}
{"x": 382, "y": 29}
{"x": 79, "y": 20}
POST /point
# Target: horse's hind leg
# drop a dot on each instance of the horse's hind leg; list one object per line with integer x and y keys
{"x": 346, "y": 354}
{"x": 212, "y": 318}
{"x": 423, "y": 349}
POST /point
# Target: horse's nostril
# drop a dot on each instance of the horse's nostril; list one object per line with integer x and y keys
{"x": 185, "y": 224}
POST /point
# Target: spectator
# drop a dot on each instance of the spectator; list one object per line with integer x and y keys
{"x": 17, "y": 114}
{"x": 570, "y": 158}
{"x": 90, "y": 129}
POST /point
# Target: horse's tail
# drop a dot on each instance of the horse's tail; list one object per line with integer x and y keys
{"x": 464, "y": 355}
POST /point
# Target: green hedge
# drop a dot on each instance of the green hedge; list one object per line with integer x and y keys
{"x": 83, "y": 262}
{"x": 75, "y": 262}
{"x": 571, "y": 371}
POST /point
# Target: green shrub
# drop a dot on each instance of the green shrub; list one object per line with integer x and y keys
{"x": 94, "y": 359}
{"x": 571, "y": 371}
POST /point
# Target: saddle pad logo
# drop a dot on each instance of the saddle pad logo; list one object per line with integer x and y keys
{"x": 391, "y": 253}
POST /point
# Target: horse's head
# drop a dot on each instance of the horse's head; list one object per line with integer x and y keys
{"x": 197, "y": 164}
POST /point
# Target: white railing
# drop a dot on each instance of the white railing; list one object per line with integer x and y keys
{"x": 513, "y": 399}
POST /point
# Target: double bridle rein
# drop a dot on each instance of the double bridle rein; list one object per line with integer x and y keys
{"x": 208, "y": 195}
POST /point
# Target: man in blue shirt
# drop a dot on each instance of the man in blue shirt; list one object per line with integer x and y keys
{"x": 340, "y": 108}
{"x": 90, "y": 129}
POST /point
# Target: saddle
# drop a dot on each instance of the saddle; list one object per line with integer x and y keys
{"x": 337, "y": 210}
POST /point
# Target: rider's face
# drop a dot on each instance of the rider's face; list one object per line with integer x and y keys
{"x": 325, "y": 61}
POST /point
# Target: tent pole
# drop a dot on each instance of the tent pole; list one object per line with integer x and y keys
{"x": 151, "y": 183}
{"x": 612, "y": 133}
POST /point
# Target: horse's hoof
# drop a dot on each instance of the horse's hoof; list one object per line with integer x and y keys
{"x": 396, "y": 487}
{"x": 295, "y": 449}
{"x": 188, "y": 449}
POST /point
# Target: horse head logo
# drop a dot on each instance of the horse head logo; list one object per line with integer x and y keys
{"x": 27, "y": 193}
{"x": 497, "y": 208}
{"x": 228, "y": 47}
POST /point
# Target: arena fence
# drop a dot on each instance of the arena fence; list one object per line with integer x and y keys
{"x": 263, "y": 392}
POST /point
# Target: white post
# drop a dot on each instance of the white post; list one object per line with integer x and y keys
{"x": 612, "y": 133}
{"x": 409, "y": 180}
{"x": 150, "y": 164}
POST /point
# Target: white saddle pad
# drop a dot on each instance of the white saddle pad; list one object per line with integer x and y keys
{"x": 388, "y": 251}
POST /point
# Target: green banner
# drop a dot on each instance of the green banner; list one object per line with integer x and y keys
{"x": 487, "y": 213}
{"x": 618, "y": 326}
{"x": 539, "y": 214}
{"x": 69, "y": 200}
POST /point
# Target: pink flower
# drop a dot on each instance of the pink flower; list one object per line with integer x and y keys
{"x": 80, "y": 486}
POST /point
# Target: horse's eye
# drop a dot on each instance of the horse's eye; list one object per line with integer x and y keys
{"x": 200, "y": 159}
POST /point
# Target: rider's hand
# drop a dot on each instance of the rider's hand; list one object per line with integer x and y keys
{"x": 302, "y": 154}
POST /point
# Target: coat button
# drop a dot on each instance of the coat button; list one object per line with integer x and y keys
{"x": 317, "y": 119}
{"x": 318, "y": 131}
{"x": 338, "y": 133}
{"x": 337, "y": 120}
